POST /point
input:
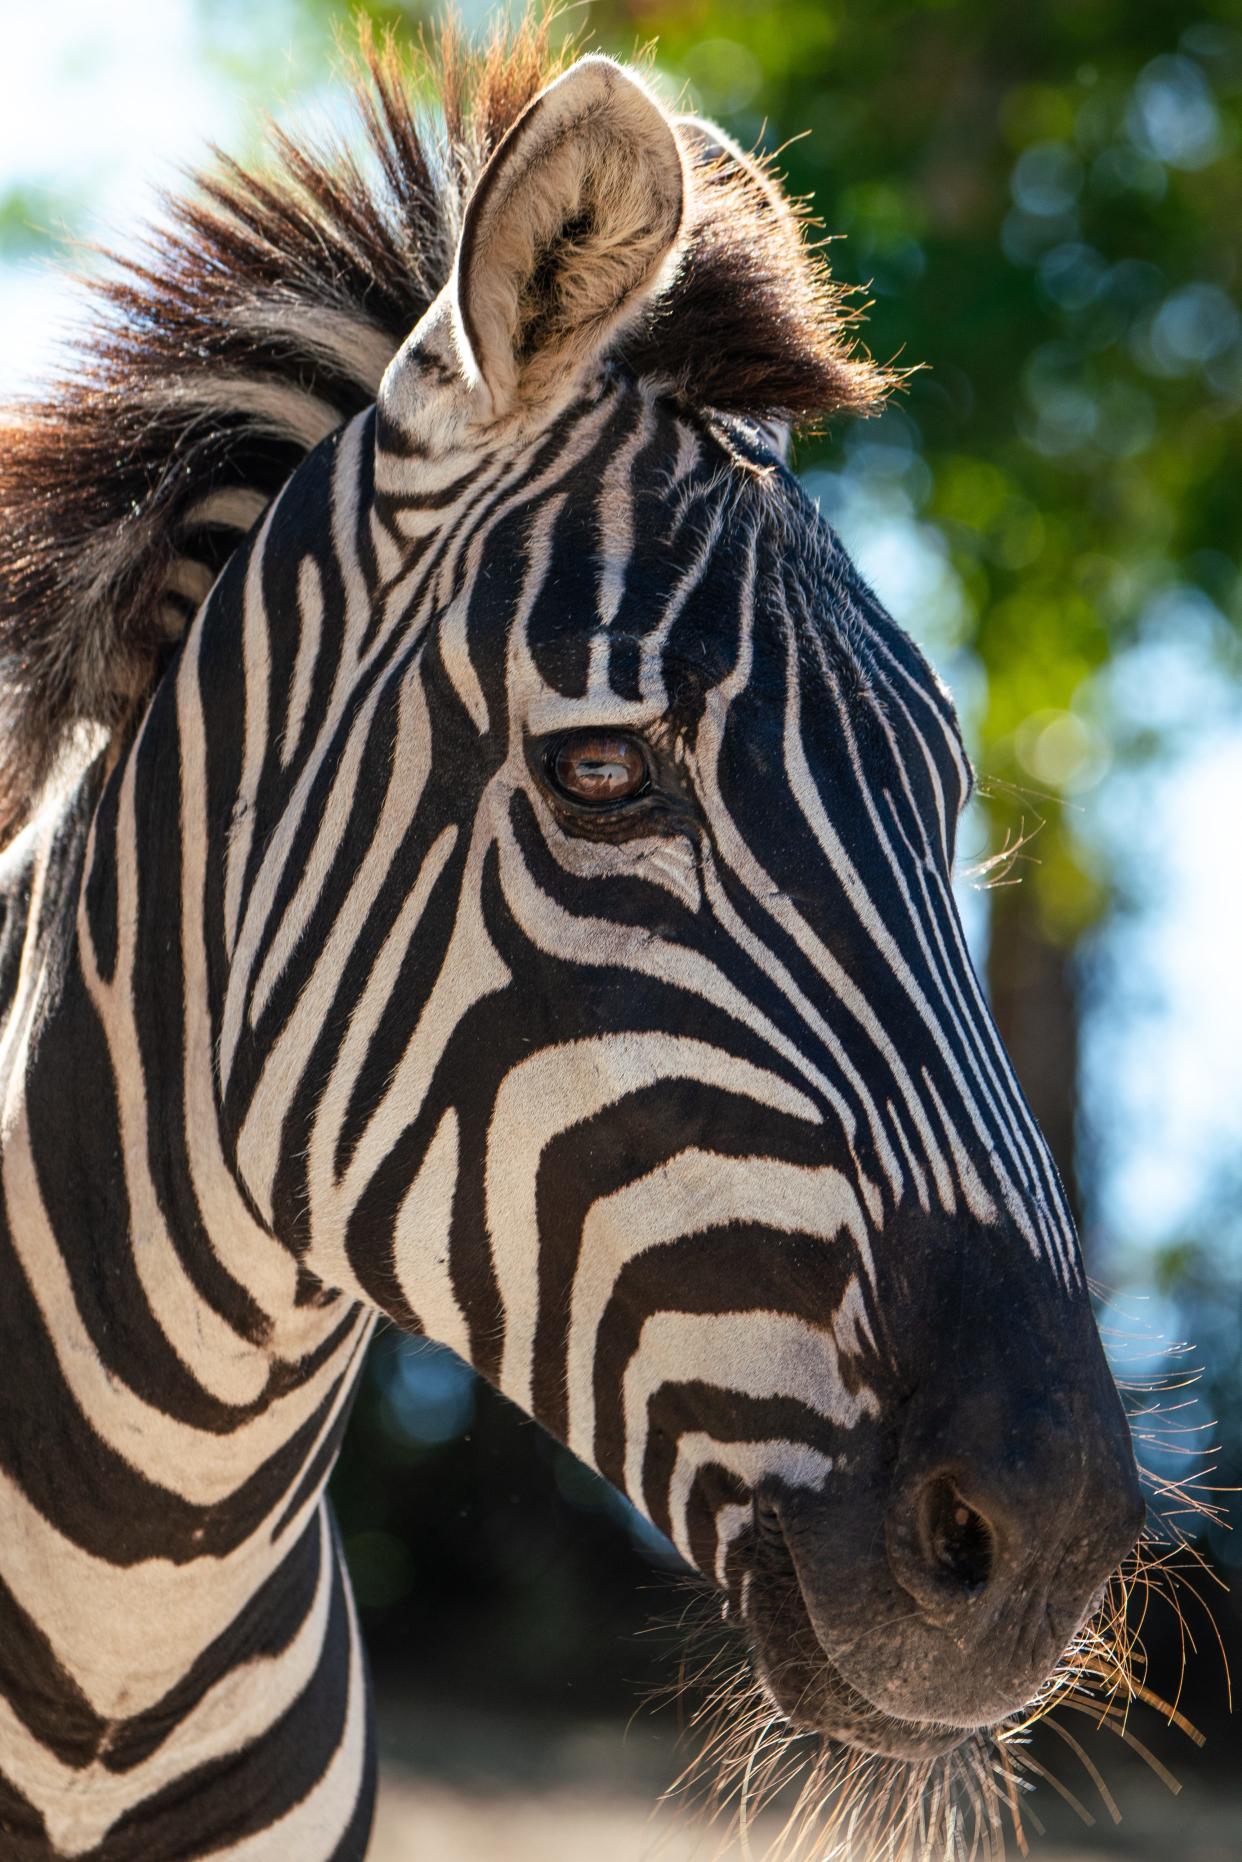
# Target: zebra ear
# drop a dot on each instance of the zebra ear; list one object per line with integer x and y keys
{"x": 572, "y": 227}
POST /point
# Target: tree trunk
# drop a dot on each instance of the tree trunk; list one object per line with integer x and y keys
{"x": 1035, "y": 1003}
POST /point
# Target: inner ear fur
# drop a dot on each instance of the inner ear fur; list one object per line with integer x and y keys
{"x": 572, "y": 227}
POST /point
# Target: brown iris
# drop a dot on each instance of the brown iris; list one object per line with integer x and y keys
{"x": 599, "y": 768}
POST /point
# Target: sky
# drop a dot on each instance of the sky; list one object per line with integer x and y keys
{"x": 111, "y": 102}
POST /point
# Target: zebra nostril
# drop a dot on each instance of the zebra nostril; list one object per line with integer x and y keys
{"x": 957, "y": 1541}
{"x": 943, "y": 1550}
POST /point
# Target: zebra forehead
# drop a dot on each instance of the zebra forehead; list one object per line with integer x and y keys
{"x": 669, "y": 543}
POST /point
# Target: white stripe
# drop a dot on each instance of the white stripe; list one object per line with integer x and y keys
{"x": 256, "y": 661}
{"x": 310, "y": 624}
{"x": 421, "y": 1241}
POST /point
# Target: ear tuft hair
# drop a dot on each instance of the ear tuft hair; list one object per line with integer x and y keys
{"x": 756, "y": 324}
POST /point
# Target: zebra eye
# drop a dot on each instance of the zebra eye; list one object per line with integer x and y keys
{"x": 599, "y": 769}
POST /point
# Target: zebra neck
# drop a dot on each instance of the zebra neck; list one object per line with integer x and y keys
{"x": 170, "y": 1593}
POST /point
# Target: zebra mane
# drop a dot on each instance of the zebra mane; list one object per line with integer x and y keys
{"x": 260, "y": 314}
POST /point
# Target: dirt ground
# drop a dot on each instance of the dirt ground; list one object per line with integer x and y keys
{"x": 476, "y": 1787}
{"x": 422, "y": 1822}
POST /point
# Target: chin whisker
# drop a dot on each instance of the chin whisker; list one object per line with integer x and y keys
{"x": 787, "y": 1794}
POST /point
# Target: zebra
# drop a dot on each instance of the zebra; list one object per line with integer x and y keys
{"x": 479, "y": 856}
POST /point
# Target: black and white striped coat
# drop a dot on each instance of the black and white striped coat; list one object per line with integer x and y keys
{"x": 328, "y": 995}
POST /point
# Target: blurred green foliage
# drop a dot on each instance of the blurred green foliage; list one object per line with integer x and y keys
{"x": 32, "y": 219}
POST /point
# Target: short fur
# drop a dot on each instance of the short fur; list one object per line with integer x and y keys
{"x": 261, "y": 316}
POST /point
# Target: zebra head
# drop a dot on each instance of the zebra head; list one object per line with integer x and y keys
{"x": 596, "y": 1001}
